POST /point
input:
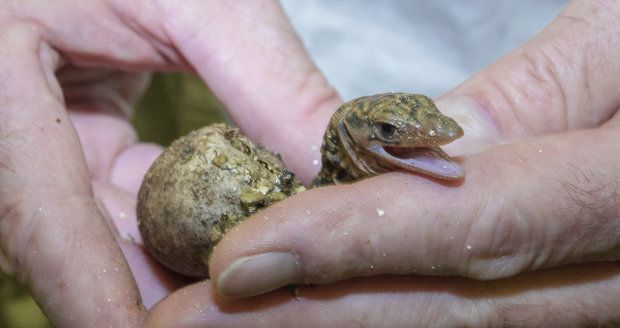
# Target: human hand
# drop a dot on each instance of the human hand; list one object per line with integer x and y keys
{"x": 65, "y": 68}
{"x": 533, "y": 229}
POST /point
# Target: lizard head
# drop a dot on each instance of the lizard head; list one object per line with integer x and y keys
{"x": 404, "y": 130}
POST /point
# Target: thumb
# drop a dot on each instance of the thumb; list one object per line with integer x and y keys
{"x": 52, "y": 235}
{"x": 563, "y": 79}
{"x": 515, "y": 211}
{"x": 253, "y": 61}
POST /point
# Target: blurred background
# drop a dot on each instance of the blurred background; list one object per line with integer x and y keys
{"x": 363, "y": 47}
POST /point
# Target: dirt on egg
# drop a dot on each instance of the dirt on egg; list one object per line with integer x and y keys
{"x": 201, "y": 186}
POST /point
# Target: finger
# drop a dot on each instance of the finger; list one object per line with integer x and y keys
{"x": 247, "y": 53}
{"x": 523, "y": 206}
{"x": 53, "y": 236}
{"x": 154, "y": 281}
{"x": 252, "y": 60}
{"x": 131, "y": 166}
{"x": 564, "y": 79}
{"x": 370, "y": 302}
{"x": 103, "y": 137}
{"x": 99, "y": 103}
{"x": 110, "y": 148}
{"x": 576, "y": 296}
{"x": 116, "y": 164}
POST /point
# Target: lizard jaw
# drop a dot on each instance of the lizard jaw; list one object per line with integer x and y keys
{"x": 431, "y": 161}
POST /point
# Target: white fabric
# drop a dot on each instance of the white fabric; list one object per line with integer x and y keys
{"x": 426, "y": 46}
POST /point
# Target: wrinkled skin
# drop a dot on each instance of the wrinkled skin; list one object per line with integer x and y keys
{"x": 69, "y": 160}
{"x": 538, "y": 207}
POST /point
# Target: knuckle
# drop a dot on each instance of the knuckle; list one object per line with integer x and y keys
{"x": 502, "y": 253}
{"x": 544, "y": 85}
{"x": 16, "y": 235}
{"x": 547, "y": 312}
{"x": 7, "y": 215}
{"x": 603, "y": 9}
{"x": 538, "y": 83}
{"x": 508, "y": 235}
{"x": 592, "y": 18}
{"x": 559, "y": 75}
{"x": 525, "y": 315}
{"x": 501, "y": 242}
{"x": 316, "y": 90}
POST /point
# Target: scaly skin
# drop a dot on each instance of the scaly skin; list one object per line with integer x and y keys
{"x": 385, "y": 132}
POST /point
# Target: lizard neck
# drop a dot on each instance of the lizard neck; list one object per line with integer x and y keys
{"x": 336, "y": 163}
{"x": 331, "y": 157}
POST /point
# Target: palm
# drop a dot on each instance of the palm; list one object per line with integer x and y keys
{"x": 117, "y": 162}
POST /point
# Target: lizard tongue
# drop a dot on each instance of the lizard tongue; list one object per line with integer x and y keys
{"x": 426, "y": 160}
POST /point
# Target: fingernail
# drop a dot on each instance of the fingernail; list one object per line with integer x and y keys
{"x": 257, "y": 274}
{"x": 480, "y": 129}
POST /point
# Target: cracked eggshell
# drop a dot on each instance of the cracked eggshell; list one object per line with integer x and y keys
{"x": 202, "y": 185}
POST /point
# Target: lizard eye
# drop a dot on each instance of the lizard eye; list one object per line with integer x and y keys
{"x": 387, "y": 130}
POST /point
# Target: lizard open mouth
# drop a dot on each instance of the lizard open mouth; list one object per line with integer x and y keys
{"x": 427, "y": 160}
